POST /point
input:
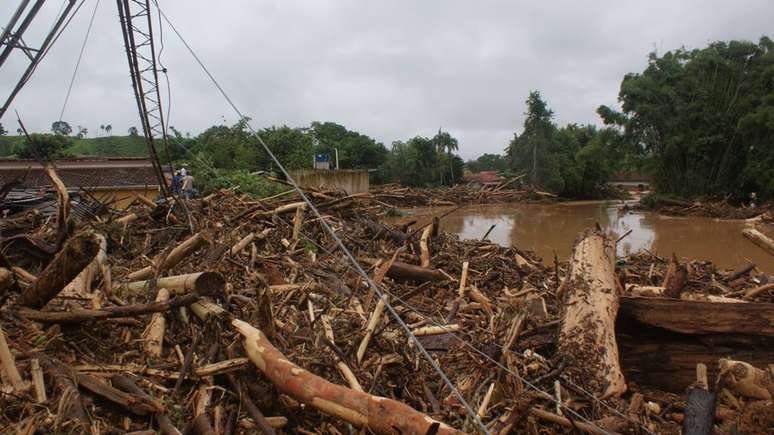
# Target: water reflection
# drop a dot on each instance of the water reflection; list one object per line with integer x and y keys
{"x": 546, "y": 229}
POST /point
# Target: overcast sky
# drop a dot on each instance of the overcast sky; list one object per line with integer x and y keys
{"x": 389, "y": 69}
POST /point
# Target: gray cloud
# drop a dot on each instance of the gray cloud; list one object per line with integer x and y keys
{"x": 389, "y": 69}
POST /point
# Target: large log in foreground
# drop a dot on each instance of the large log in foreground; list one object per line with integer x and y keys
{"x": 377, "y": 414}
{"x": 76, "y": 254}
{"x": 590, "y": 305}
{"x": 202, "y": 283}
{"x": 699, "y": 317}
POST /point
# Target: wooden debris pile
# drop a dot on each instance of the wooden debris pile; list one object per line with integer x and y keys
{"x": 401, "y": 196}
{"x": 240, "y": 316}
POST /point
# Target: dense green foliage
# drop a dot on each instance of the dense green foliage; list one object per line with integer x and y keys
{"x": 356, "y": 150}
{"x": 43, "y": 147}
{"x": 574, "y": 161}
{"x": 703, "y": 119}
{"x": 61, "y": 127}
{"x": 422, "y": 161}
{"x": 487, "y": 162}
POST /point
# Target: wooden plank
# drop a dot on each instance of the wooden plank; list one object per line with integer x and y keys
{"x": 700, "y": 317}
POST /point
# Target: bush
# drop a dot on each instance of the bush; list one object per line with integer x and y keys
{"x": 209, "y": 179}
{"x": 44, "y": 147}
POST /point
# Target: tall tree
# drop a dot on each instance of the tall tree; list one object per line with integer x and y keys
{"x": 61, "y": 127}
{"x": 524, "y": 151}
{"x": 445, "y": 143}
{"x": 702, "y": 117}
{"x": 3, "y": 131}
{"x": 108, "y": 129}
{"x": 132, "y": 131}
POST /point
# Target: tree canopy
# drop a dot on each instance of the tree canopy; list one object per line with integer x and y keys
{"x": 704, "y": 118}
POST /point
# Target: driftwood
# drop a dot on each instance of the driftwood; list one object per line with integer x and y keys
{"x": 6, "y": 279}
{"x": 63, "y": 199}
{"x": 377, "y": 414}
{"x": 400, "y": 271}
{"x": 8, "y": 365}
{"x": 587, "y": 334}
{"x": 174, "y": 257}
{"x": 77, "y": 253}
{"x": 84, "y": 315}
{"x": 760, "y": 239}
{"x": 203, "y": 283}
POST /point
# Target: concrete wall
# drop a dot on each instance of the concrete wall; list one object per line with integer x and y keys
{"x": 349, "y": 180}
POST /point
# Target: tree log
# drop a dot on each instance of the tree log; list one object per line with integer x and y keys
{"x": 77, "y": 253}
{"x": 400, "y": 271}
{"x": 377, "y": 414}
{"x": 154, "y": 333}
{"x": 203, "y": 283}
{"x": 760, "y": 239}
{"x": 590, "y": 305}
{"x": 174, "y": 257}
{"x": 699, "y": 317}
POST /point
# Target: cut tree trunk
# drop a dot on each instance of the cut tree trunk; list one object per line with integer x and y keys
{"x": 587, "y": 334}
{"x": 377, "y": 414}
{"x": 77, "y": 253}
{"x": 203, "y": 283}
{"x": 760, "y": 239}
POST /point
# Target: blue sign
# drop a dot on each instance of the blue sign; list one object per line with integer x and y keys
{"x": 322, "y": 157}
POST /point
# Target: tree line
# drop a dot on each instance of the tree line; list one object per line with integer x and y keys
{"x": 699, "y": 122}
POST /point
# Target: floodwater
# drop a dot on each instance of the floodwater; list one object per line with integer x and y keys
{"x": 546, "y": 229}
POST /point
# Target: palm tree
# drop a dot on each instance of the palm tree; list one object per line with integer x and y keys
{"x": 444, "y": 142}
{"x": 108, "y": 129}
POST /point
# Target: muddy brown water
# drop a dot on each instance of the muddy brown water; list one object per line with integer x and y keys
{"x": 546, "y": 229}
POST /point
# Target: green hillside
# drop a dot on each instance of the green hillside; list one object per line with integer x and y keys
{"x": 110, "y": 146}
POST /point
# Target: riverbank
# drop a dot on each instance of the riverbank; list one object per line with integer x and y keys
{"x": 328, "y": 355}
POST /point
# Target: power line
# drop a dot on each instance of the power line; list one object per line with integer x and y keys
{"x": 335, "y": 237}
{"x": 78, "y": 63}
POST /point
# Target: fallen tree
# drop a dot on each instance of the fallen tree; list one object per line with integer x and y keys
{"x": 378, "y": 414}
{"x": 760, "y": 239}
{"x": 590, "y": 305}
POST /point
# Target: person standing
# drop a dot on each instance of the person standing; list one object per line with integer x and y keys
{"x": 188, "y": 189}
{"x": 176, "y": 182}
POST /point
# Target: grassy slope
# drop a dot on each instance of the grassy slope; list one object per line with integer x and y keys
{"x": 112, "y": 146}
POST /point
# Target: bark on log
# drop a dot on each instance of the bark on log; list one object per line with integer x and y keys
{"x": 174, "y": 257}
{"x": 760, "y": 239}
{"x": 203, "y": 283}
{"x": 378, "y": 414}
{"x": 400, "y": 271}
{"x": 77, "y": 253}
{"x": 699, "y": 317}
{"x": 587, "y": 334}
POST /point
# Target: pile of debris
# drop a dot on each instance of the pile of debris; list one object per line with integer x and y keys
{"x": 231, "y": 315}
{"x": 395, "y": 195}
{"x": 715, "y": 209}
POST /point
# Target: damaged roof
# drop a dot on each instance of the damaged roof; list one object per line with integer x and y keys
{"x": 78, "y": 173}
